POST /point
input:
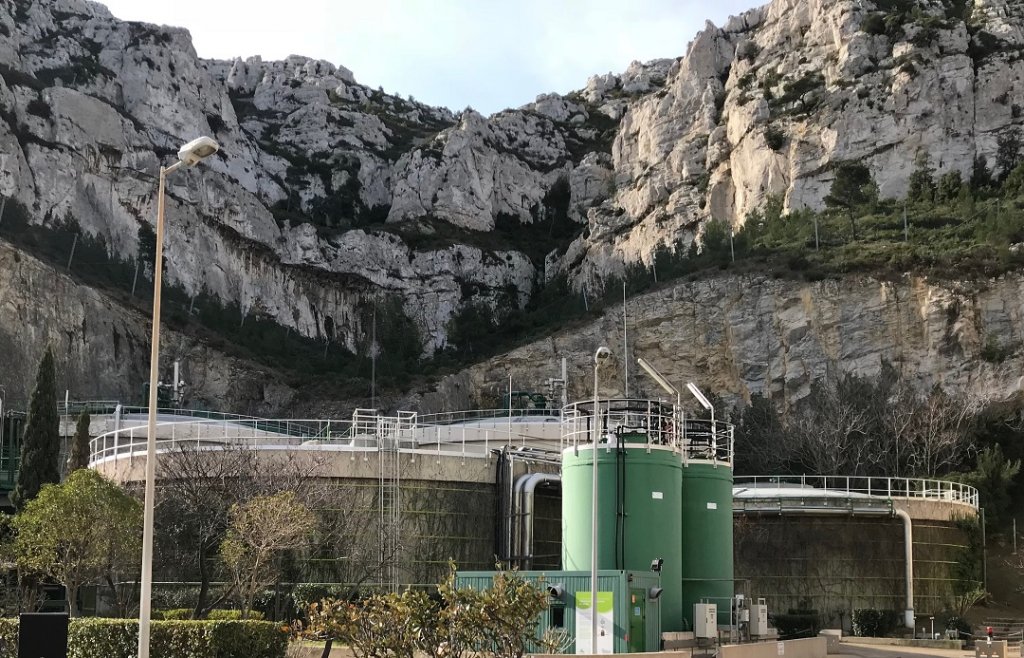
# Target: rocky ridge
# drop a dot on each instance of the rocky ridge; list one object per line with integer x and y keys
{"x": 329, "y": 197}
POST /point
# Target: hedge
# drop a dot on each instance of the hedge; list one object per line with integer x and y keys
{"x": 118, "y": 638}
{"x": 868, "y": 622}
{"x": 184, "y": 614}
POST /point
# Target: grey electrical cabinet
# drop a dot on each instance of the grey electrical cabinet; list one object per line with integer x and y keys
{"x": 705, "y": 620}
{"x": 758, "y": 619}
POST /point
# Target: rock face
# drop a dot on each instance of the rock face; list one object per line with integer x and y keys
{"x": 102, "y": 349}
{"x": 838, "y": 80}
{"x": 329, "y": 197}
{"x": 740, "y": 336}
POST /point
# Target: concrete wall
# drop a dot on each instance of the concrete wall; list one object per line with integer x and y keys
{"x": 813, "y": 647}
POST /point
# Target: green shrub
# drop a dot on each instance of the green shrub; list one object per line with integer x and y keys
{"x": 8, "y": 638}
{"x": 185, "y": 614}
{"x": 175, "y": 614}
{"x": 868, "y": 622}
{"x": 874, "y": 23}
{"x": 233, "y": 615}
{"x": 774, "y": 137}
{"x": 118, "y": 638}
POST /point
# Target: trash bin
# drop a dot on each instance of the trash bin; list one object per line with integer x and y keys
{"x": 43, "y": 635}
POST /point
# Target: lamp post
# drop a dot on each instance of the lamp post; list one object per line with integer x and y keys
{"x": 4, "y": 397}
{"x": 188, "y": 155}
{"x": 665, "y": 384}
{"x": 600, "y": 355}
{"x": 704, "y": 403}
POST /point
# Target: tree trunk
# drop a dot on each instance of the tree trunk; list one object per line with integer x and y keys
{"x": 204, "y": 584}
{"x": 853, "y": 224}
{"x": 327, "y": 648}
{"x": 71, "y": 592}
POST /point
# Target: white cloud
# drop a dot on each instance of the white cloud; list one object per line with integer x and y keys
{"x": 486, "y": 53}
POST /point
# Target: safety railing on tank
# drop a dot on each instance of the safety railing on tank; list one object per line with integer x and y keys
{"x": 367, "y": 431}
{"x": 650, "y": 423}
{"x": 472, "y": 415}
{"x": 858, "y": 485}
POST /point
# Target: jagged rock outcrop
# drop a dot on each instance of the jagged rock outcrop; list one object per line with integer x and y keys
{"x": 326, "y": 196}
{"x": 839, "y": 80}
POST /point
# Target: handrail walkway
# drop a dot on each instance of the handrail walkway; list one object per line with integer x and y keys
{"x": 855, "y": 486}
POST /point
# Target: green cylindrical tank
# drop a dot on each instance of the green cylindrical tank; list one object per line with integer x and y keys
{"x": 707, "y": 538}
{"x": 639, "y": 514}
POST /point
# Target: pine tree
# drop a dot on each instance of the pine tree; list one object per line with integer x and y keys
{"x": 41, "y": 440}
{"x": 80, "y": 445}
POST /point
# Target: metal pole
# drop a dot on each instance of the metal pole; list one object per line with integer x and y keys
{"x": 625, "y": 346}
{"x": 154, "y": 368}
{"x": 593, "y": 518}
{"x": 74, "y": 243}
{"x": 984, "y": 554}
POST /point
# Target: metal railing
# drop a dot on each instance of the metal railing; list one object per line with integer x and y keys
{"x": 361, "y": 434}
{"x": 472, "y": 415}
{"x": 862, "y": 485}
{"x": 649, "y": 423}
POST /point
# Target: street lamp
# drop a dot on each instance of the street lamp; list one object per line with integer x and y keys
{"x": 188, "y": 155}
{"x": 600, "y": 355}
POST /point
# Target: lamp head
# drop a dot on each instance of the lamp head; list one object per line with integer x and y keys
{"x": 602, "y": 354}
{"x": 700, "y": 396}
{"x": 556, "y": 591}
{"x": 197, "y": 149}
{"x": 653, "y": 593}
{"x": 656, "y": 564}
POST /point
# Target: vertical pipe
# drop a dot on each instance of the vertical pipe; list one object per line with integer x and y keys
{"x": 565, "y": 384}
{"x": 908, "y": 549}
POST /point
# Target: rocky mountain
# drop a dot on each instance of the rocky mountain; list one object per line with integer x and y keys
{"x": 332, "y": 203}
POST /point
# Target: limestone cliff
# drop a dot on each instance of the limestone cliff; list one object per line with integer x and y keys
{"x": 739, "y": 335}
{"x": 330, "y": 198}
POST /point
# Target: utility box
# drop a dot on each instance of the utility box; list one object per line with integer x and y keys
{"x": 758, "y": 619}
{"x": 705, "y": 617}
{"x": 628, "y": 608}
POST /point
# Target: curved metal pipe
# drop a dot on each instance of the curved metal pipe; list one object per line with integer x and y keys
{"x": 516, "y": 518}
{"x": 526, "y": 531}
{"x": 908, "y": 547}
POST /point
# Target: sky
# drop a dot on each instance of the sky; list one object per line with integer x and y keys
{"x": 486, "y": 54}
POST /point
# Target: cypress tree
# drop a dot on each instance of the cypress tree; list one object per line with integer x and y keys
{"x": 40, "y": 443}
{"x": 80, "y": 445}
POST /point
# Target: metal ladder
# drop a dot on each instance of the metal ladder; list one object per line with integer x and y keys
{"x": 388, "y": 437}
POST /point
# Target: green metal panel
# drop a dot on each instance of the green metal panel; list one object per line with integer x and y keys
{"x": 620, "y": 583}
{"x": 637, "y": 616}
{"x": 707, "y": 538}
{"x": 639, "y": 515}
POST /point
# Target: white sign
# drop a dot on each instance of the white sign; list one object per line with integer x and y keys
{"x": 712, "y": 505}
{"x": 656, "y": 495}
{"x": 605, "y": 623}
{"x": 781, "y": 648}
